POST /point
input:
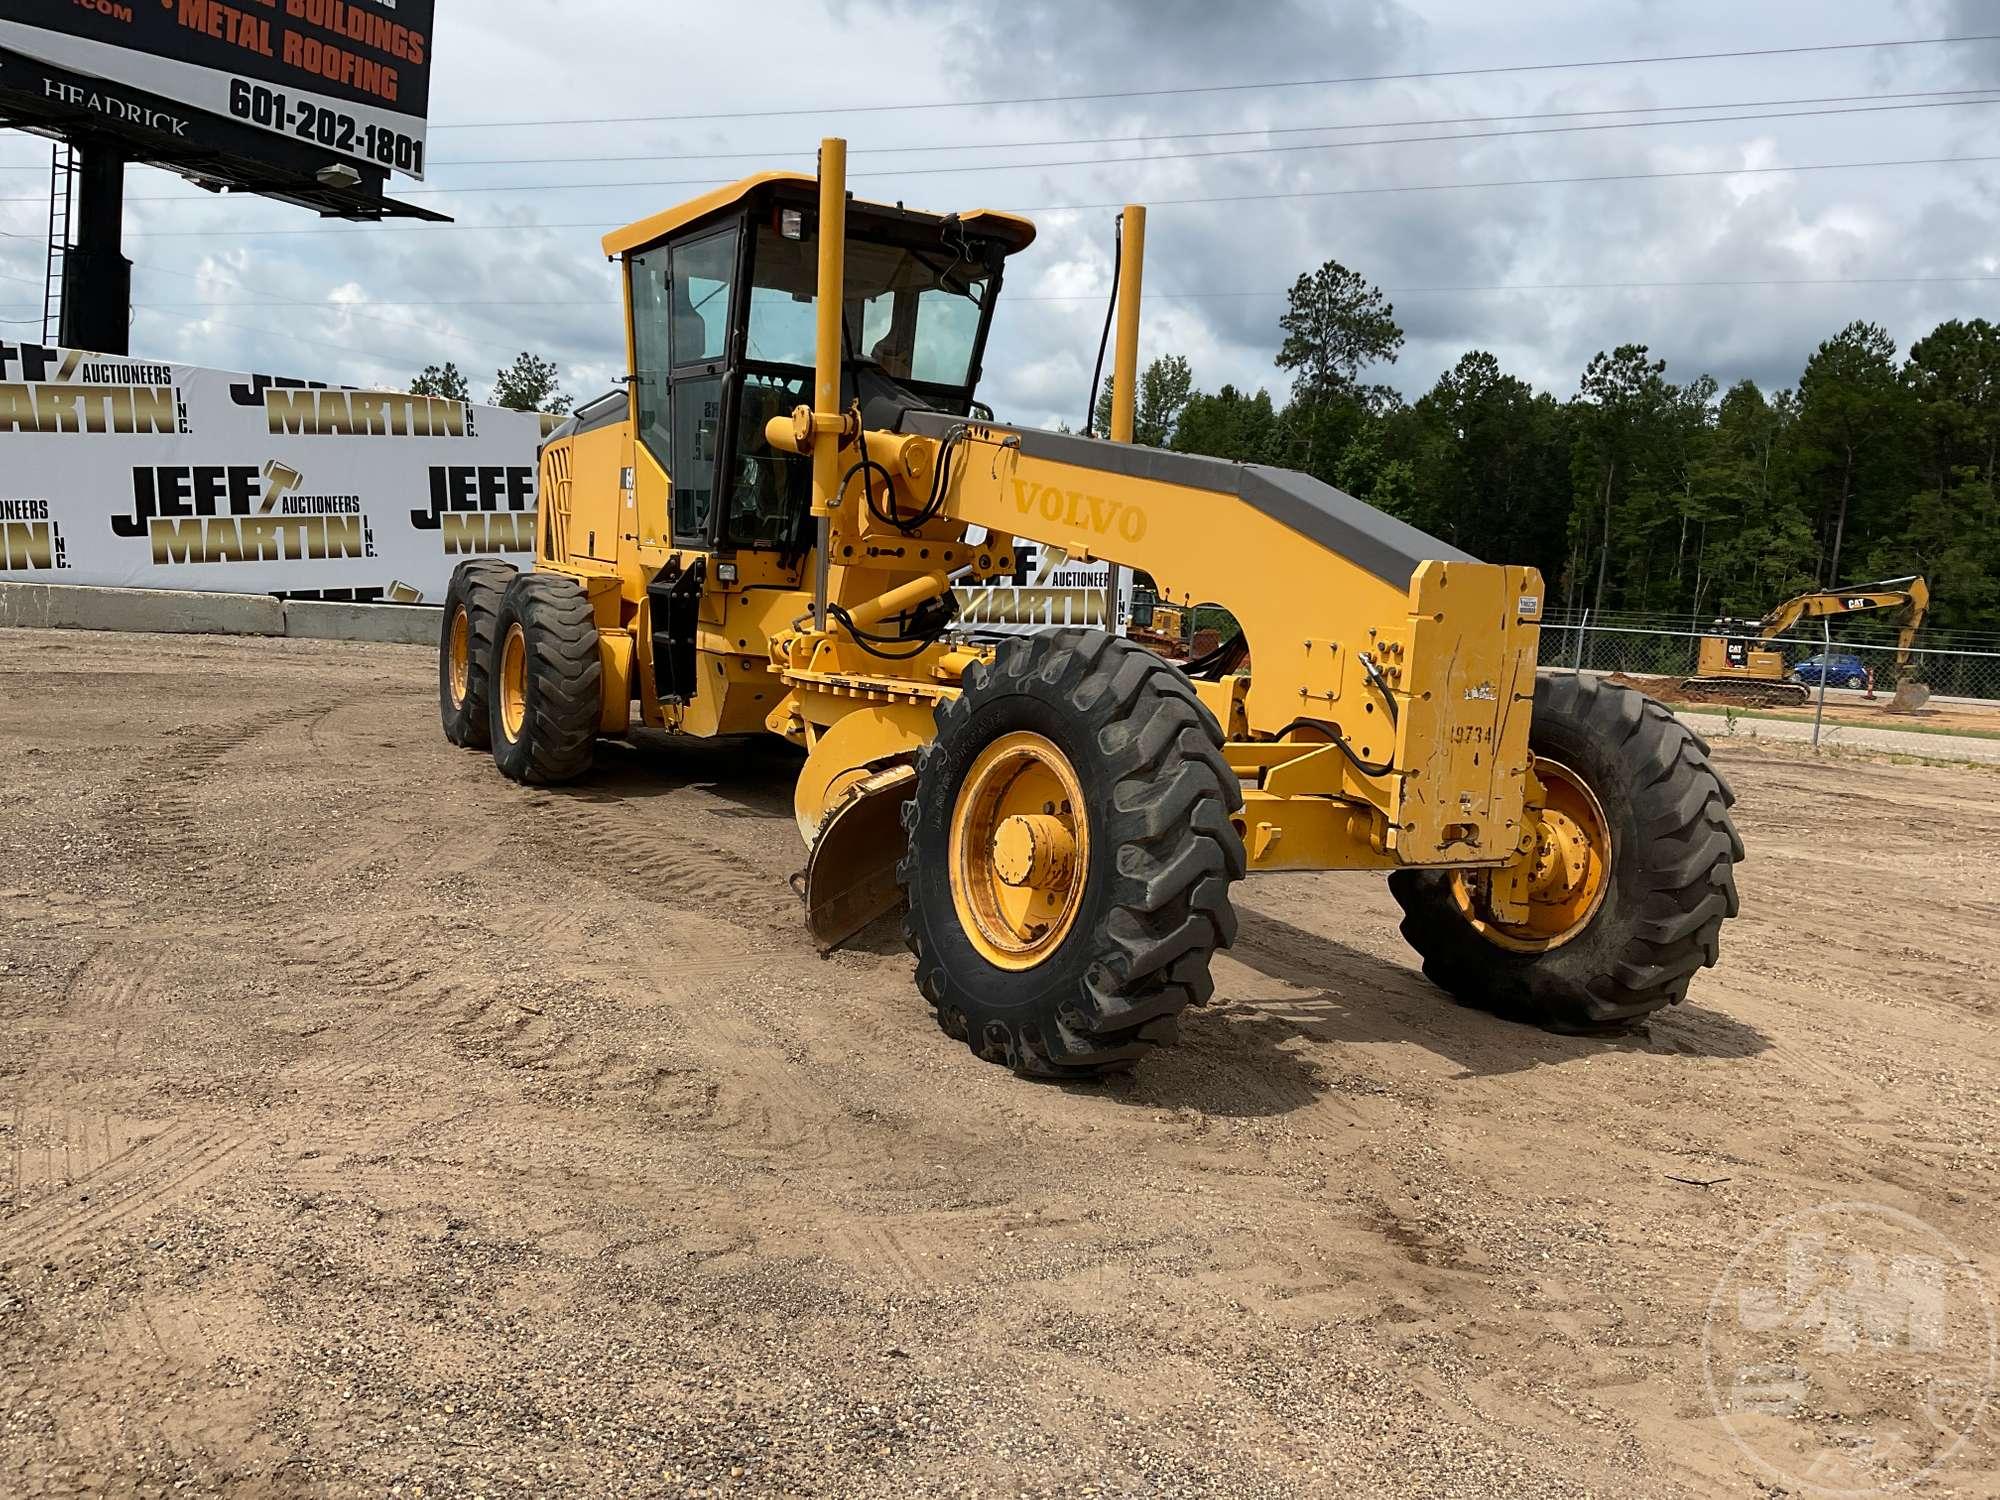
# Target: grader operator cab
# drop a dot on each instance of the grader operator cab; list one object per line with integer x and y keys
{"x": 762, "y": 532}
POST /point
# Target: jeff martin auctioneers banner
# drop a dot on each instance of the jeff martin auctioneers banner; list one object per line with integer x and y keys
{"x": 141, "y": 475}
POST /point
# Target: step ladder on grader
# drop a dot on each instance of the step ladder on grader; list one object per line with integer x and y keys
{"x": 762, "y": 531}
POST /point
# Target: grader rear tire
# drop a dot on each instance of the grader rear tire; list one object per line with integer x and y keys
{"x": 547, "y": 681}
{"x": 1669, "y": 885}
{"x": 466, "y": 647}
{"x": 1069, "y": 853}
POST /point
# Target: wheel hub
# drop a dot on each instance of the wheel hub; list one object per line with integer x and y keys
{"x": 460, "y": 655}
{"x": 514, "y": 682}
{"x": 1020, "y": 850}
{"x": 1567, "y": 874}
{"x": 1034, "y": 850}
{"x": 1562, "y": 858}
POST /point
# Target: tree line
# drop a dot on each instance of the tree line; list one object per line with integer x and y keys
{"x": 1637, "y": 492}
{"x": 1634, "y": 493}
{"x": 530, "y": 383}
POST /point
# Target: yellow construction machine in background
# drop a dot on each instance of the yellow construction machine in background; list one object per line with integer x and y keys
{"x": 761, "y": 533}
{"x": 1159, "y": 627}
{"x": 1737, "y": 665}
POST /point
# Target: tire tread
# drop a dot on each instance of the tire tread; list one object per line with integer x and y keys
{"x": 1177, "y": 855}
{"x": 1687, "y": 881}
{"x": 481, "y": 583}
{"x": 559, "y": 737}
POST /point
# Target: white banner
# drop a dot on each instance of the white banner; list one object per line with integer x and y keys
{"x": 143, "y": 475}
{"x": 1049, "y": 590}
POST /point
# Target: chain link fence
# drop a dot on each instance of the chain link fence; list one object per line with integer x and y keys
{"x": 1622, "y": 644}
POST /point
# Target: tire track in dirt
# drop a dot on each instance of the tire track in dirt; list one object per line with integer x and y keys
{"x": 764, "y": 1106}
{"x": 939, "y": 1253}
{"x": 56, "y": 1141}
{"x": 368, "y": 959}
{"x": 140, "y": 1181}
{"x": 161, "y": 825}
{"x": 107, "y": 991}
{"x": 15, "y": 1147}
{"x": 627, "y": 845}
{"x": 57, "y": 1144}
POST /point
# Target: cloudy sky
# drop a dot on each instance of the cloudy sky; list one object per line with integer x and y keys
{"x": 1518, "y": 269}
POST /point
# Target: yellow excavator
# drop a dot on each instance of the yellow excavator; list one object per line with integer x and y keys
{"x": 761, "y": 534}
{"x": 1737, "y": 665}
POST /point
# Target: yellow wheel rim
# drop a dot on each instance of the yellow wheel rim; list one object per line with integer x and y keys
{"x": 459, "y": 658}
{"x": 514, "y": 682}
{"x": 1568, "y": 874}
{"x": 1020, "y": 851}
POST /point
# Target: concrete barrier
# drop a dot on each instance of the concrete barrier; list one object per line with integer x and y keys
{"x": 395, "y": 624}
{"x": 55, "y": 606}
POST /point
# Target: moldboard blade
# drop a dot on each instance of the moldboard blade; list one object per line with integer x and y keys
{"x": 850, "y": 875}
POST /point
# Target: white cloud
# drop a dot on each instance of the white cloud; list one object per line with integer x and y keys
{"x": 377, "y": 305}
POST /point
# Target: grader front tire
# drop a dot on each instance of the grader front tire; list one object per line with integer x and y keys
{"x": 1668, "y": 887}
{"x": 466, "y": 648}
{"x": 1081, "y": 771}
{"x": 546, "y": 681}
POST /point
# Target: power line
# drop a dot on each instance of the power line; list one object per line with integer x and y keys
{"x": 1190, "y": 135}
{"x": 1187, "y": 135}
{"x": 1596, "y": 177}
{"x": 1122, "y": 161}
{"x": 1228, "y": 88}
{"x": 1098, "y": 296}
{"x": 1056, "y": 208}
{"x": 1569, "y": 286}
{"x": 435, "y": 334}
{"x": 498, "y": 302}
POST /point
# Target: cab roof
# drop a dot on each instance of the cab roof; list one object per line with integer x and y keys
{"x": 1011, "y": 230}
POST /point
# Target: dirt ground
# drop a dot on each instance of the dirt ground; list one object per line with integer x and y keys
{"x": 374, "y": 1126}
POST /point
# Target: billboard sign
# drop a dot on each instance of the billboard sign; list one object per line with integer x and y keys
{"x": 349, "y": 77}
{"x": 135, "y": 474}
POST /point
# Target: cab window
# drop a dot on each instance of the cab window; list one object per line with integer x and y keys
{"x": 914, "y": 315}
{"x": 704, "y": 270}
{"x": 649, "y": 355}
{"x": 697, "y": 325}
{"x": 770, "y": 501}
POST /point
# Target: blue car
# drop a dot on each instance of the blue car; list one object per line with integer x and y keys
{"x": 1841, "y": 669}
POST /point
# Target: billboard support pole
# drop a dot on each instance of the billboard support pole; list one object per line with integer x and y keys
{"x": 97, "y": 278}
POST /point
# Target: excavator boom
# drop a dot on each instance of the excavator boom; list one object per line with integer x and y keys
{"x": 1732, "y": 669}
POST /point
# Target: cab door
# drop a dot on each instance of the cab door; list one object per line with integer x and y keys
{"x": 699, "y": 297}
{"x": 682, "y": 300}
{"x": 683, "y": 306}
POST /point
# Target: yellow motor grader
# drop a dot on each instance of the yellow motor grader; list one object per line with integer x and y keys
{"x": 761, "y": 533}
